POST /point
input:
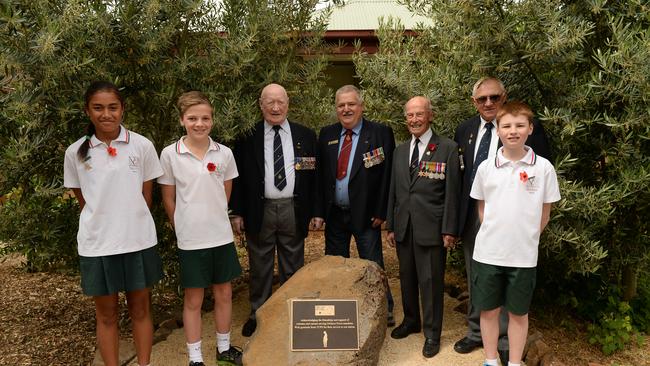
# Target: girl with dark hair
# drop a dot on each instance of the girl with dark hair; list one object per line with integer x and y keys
{"x": 111, "y": 172}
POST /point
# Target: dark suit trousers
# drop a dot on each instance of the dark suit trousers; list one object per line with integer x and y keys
{"x": 338, "y": 232}
{"x": 422, "y": 268}
{"x": 278, "y": 231}
{"x": 473, "y": 314}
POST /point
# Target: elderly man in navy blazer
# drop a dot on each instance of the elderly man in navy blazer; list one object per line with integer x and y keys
{"x": 477, "y": 141}
{"x": 354, "y": 171}
{"x": 272, "y": 199}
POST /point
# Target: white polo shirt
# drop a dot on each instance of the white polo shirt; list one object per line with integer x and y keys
{"x": 116, "y": 218}
{"x": 514, "y": 193}
{"x": 201, "y": 215}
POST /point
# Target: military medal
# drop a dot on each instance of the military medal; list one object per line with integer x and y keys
{"x": 305, "y": 163}
{"x": 373, "y": 157}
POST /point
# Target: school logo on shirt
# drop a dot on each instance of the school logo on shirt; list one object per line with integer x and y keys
{"x": 528, "y": 181}
{"x": 217, "y": 169}
{"x": 134, "y": 164}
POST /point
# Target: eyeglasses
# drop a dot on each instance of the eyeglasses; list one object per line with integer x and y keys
{"x": 493, "y": 98}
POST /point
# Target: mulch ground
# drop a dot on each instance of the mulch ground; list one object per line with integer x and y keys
{"x": 46, "y": 320}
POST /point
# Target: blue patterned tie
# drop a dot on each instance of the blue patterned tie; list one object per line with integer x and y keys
{"x": 280, "y": 179}
{"x": 483, "y": 148}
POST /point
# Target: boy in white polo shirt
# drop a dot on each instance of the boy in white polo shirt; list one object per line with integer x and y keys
{"x": 196, "y": 186}
{"x": 514, "y": 193}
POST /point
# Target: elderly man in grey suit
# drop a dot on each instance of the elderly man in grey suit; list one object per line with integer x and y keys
{"x": 422, "y": 221}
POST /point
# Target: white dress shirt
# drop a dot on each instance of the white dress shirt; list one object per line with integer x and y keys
{"x": 270, "y": 190}
{"x": 424, "y": 140}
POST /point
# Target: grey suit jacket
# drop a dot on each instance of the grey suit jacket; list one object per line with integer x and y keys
{"x": 432, "y": 205}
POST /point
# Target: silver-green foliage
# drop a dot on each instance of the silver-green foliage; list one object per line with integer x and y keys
{"x": 154, "y": 50}
{"x": 583, "y": 67}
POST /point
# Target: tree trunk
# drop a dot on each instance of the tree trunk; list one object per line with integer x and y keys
{"x": 629, "y": 281}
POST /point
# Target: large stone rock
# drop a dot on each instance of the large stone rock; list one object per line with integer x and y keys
{"x": 537, "y": 349}
{"x": 328, "y": 278}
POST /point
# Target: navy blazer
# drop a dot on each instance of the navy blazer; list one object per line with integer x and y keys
{"x": 368, "y": 186}
{"x": 248, "y": 189}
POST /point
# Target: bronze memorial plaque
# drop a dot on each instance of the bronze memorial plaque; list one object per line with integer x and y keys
{"x": 324, "y": 325}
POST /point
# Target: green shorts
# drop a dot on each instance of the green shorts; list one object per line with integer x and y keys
{"x": 201, "y": 268}
{"x": 109, "y": 274}
{"x": 495, "y": 286}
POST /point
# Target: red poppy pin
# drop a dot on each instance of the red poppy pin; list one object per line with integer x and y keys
{"x": 523, "y": 176}
{"x": 211, "y": 167}
{"x": 111, "y": 151}
{"x": 431, "y": 148}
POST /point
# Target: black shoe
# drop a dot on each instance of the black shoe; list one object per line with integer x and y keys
{"x": 504, "y": 355}
{"x": 192, "y": 363}
{"x": 390, "y": 319}
{"x": 249, "y": 327}
{"x": 231, "y": 356}
{"x": 430, "y": 348}
{"x": 467, "y": 345}
{"x": 403, "y": 331}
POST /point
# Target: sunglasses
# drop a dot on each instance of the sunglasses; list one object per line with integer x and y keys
{"x": 493, "y": 98}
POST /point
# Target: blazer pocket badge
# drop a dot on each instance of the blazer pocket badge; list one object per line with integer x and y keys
{"x": 373, "y": 157}
{"x": 305, "y": 163}
{"x": 432, "y": 170}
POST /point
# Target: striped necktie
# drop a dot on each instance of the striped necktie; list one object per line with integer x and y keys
{"x": 414, "y": 159}
{"x": 483, "y": 148}
{"x": 344, "y": 156}
{"x": 280, "y": 178}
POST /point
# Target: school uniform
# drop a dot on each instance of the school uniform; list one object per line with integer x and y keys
{"x": 116, "y": 230}
{"x": 201, "y": 221}
{"x": 514, "y": 193}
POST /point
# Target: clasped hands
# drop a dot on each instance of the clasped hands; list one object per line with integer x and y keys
{"x": 449, "y": 241}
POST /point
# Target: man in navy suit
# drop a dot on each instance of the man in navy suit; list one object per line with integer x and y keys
{"x": 272, "y": 199}
{"x": 488, "y": 95}
{"x": 354, "y": 175}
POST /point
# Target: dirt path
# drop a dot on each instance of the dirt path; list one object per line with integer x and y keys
{"x": 45, "y": 320}
{"x": 407, "y": 351}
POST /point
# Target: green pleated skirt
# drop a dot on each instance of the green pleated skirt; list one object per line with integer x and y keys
{"x": 110, "y": 274}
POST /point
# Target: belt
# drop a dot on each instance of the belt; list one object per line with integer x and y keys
{"x": 278, "y": 200}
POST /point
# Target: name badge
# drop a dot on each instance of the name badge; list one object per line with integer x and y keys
{"x": 432, "y": 170}
{"x": 374, "y": 157}
{"x": 305, "y": 163}
{"x": 332, "y": 142}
